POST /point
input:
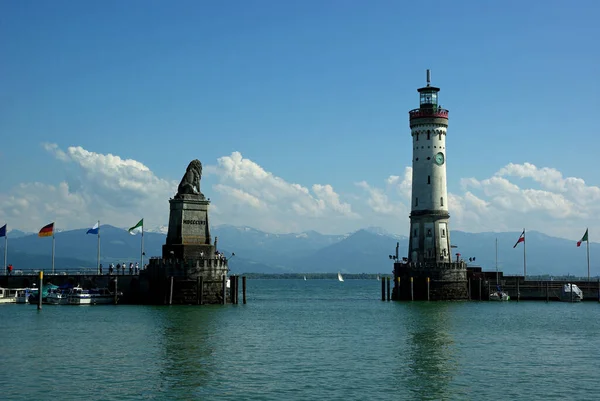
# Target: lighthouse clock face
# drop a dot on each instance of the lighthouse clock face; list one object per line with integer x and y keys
{"x": 439, "y": 159}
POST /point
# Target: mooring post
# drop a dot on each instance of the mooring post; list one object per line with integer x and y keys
{"x": 599, "y": 289}
{"x": 41, "y": 287}
{"x": 237, "y": 289}
{"x": 547, "y": 291}
{"x": 398, "y": 291}
{"x": 232, "y": 289}
{"x": 201, "y": 290}
{"x": 489, "y": 290}
{"x": 171, "y": 292}
{"x": 244, "y": 290}
{"x": 428, "y": 288}
{"x": 412, "y": 293}
{"x": 480, "y": 288}
{"x": 383, "y": 288}
{"x": 389, "y": 295}
{"x": 198, "y": 290}
{"x": 116, "y": 291}
{"x": 518, "y": 292}
{"x": 469, "y": 289}
{"x": 224, "y": 288}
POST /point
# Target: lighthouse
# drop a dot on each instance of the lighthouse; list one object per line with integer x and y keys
{"x": 429, "y": 233}
{"x": 429, "y": 271}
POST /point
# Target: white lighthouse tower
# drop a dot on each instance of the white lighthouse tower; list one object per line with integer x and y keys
{"x": 429, "y": 233}
{"x": 429, "y": 272}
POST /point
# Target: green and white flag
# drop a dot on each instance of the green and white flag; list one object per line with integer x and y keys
{"x": 139, "y": 227}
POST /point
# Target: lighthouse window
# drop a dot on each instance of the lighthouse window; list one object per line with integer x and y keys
{"x": 415, "y": 233}
{"x": 428, "y": 137}
{"x": 429, "y": 179}
{"x": 429, "y": 158}
{"x": 443, "y": 235}
{"x": 417, "y": 137}
{"x": 442, "y": 201}
{"x": 417, "y": 159}
{"x": 444, "y": 252}
{"x": 429, "y": 232}
{"x": 440, "y": 136}
{"x": 416, "y": 201}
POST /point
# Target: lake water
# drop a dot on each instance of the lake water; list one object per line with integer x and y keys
{"x": 301, "y": 340}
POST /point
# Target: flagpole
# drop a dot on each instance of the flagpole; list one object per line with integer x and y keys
{"x": 588, "y": 252}
{"x": 142, "y": 249}
{"x": 52, "y": 252}
{"x": 98, "y": 264}
{"x": 5, "y": 252}
{"x": 524, "y": 256}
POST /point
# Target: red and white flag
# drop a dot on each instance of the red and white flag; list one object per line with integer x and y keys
{"x": 521, "y": 239}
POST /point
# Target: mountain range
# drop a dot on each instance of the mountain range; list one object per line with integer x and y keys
{"x": 363, "y": 251}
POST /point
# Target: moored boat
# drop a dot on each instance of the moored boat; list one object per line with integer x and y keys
{"x": 571, "y": 293}
{"x": 24, "y": 295}
{"x": 103, "y": 296}
{"x": 79, "y": 296}
{"x": 8, "y": 295}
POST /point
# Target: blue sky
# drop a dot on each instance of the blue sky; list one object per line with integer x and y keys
{"x": 313, "y": 92}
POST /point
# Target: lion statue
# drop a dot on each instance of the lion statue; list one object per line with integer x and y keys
{"x": 190, "y": 183}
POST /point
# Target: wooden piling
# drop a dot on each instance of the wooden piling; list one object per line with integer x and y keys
{"x": 201, "y": 291}
{"x": 412, "y": 292}
{"x": 40, "y": 290}
{"x": 244, "y": 290}
{"x": 398, "y": 292}
{"x": 171, "y": 292}
{"x": 116, "y": 291}
{"x": 224, "y": 288}
{"x": 518, "y": 292}
{"x": 389, "y": 295}
{"x": 198, "y": 290}
{"x": 383, "y": 288}
{"x": 428, "y": 288}
{"x": 547, "y": 291}
{"x": 480, "y": 288}
{"x": 469, "y": 289}
{"x": 599, "y": 290}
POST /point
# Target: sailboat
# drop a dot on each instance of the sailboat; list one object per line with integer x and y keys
{"x": 304, "y": 278}
{"x": 340, "y": 278}
{"x": 378, "y": 277}
{"x": 498, "y": 295}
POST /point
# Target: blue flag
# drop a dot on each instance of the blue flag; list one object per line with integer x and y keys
{"x": 94, "y": 230}
{"x": 3, "y": 231}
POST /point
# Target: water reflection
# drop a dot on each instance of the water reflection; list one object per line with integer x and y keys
{"x": 192, "y": 341}
{"x": 429, "y": 362}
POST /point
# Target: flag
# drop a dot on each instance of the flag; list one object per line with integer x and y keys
{"x": 133, "y": 231}
{"x": 94, "y": 230}
{"x": 3, "y": 231}
{"x": 47, "y": 231}
{"x": 584, "y": 238}
{"x": 521, "y": 239}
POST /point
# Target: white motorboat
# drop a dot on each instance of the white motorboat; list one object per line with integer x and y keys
{"x": 79, "y": 296}
{"x": 57, "y": 296}
{"x": 23, "y": 295}
{"x": 571, "y": 293}
{"x": 102, "y": 296}
{"x": 499, "y": 296}
{"x": 340, "y": 278}
{"x": 8, "y": 295}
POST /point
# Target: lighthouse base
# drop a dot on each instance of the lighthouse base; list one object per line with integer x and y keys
{"x": 430, "y": 281}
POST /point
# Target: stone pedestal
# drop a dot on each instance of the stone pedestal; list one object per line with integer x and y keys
{"x": 188, "y": 257}
{"x": 447, "y": 281}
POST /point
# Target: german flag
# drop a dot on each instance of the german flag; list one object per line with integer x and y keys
{"x": 47, "y": 231}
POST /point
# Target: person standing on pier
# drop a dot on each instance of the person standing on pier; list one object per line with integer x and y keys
{"x": 100, "y": 268}
{"x": 123, "y": 267}
{"x": 118, "y": 268}
{"x": 137, "y": 268}
{"x": 131, "y": 268}
{"x": 111, "y": 267}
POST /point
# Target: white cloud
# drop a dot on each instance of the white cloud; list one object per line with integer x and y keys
{"x": 120, "y": 191}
